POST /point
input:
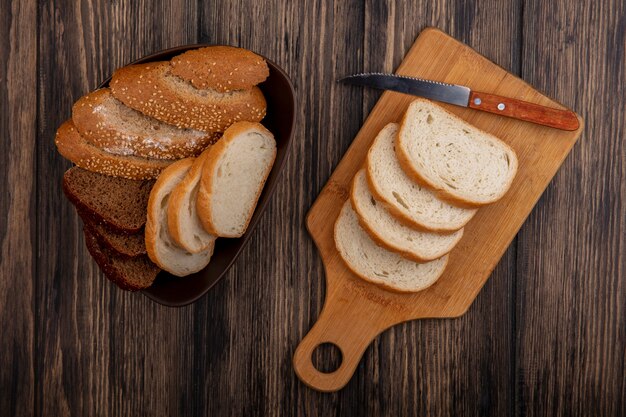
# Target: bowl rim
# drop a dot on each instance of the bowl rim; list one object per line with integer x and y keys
{"x": 268, "y": 188}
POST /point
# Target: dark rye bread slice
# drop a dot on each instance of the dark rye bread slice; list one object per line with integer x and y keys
{"x": 118, "y": 203}
{"x": 105, "y": 122}
{"x": 221, "y": 68}
{"x": 153, "y": 90}
{"x": 122, "y": 244}
{"x": 131, "y": 274}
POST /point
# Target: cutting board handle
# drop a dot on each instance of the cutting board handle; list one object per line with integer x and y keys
{"x": 348, "y": 322}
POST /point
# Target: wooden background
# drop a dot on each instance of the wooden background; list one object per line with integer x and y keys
{"x": 546, "y": 336}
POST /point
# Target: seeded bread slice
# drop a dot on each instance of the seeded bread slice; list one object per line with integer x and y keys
{"x": 74, "y": 147}
{"x": 233, "y": 177}
{"x": 221, "y": 68}
{"x": 161, "y": 248}
{"x": 131, "y": 274}
{"x": 409, "y": 202}
{"x": 121, "y": 244}
{"x": 182, "y": 214}
{"x": 388, "y": 232}
{"x": 463, "y": 164}
{"x": 380, "y": 266}
{"x": 118, "y": 203}
{"x": 107, "y": 123}
{"x": 153, "y": 90}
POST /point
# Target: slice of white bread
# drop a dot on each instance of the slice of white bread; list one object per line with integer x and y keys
{"x": 378, "y": 265}
{"x": 107, "y": 123}
{"x": 182, "y": 214}
{"x": 233, "y": 177}
{"x": 461, "y": 162}
{"x": 411, "y": 203}
{"x": 153, "y": 90}
{"x": 388, "y": 232}
{"x": 71, "y": 145}
{"x": 159, "y": 244}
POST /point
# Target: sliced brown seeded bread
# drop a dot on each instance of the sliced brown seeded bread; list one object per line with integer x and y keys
{"x": 118, "y": 203}
{"x": 131, "y": 274}
{"x": 153, "y": 90}
{"x": 122, "y": 244}
{"x": 105, "y": 122}
{"x": 221, "y": 68}
{"x": 73, "y": 146}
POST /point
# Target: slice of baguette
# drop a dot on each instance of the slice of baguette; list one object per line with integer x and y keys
{"x": 461, "y": 162}
{"x": 182, "y": 213}
{"x": 131, "y": 274}
{"x": 118, "y": 203}
{"x": 107, "y": 123}
{"x": 74, "y": 147}
{"x": 233, "y": 177}
{"x": 221, "y": 68}
{"x": 411, "y": 203}
{"x": 153, "y": 90}
{"x": 388, "y": 232}
{"x": 161, "y": 248}
{"x": 380, "y": 266}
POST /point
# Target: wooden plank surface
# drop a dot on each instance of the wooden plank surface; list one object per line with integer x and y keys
{"x": 73, "y": 344}
{"x": 18, "y": 101}
{"x": 100, "y": 351}
{"x": 571, "y": 275}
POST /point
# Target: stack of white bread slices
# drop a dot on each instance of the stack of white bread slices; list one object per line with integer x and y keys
{"x": 423, "y": 180}
{"x": 196, "y": 200}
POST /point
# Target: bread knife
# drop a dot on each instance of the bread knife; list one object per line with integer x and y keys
{"x": 463, "y": 96}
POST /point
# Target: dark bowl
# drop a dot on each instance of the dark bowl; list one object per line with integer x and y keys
{"x": 280, "y": 120}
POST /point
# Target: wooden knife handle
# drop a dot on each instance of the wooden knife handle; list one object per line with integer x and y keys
{"x": 523, "y": 110}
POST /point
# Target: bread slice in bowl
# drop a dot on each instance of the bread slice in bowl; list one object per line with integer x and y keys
{"x": 220, "y": 68}
{"x": 153, "y": 90}
{"x": 118, "y": 203}
{"x": 233, "y": 177}
{"x": 74, "y": 147}
{"x": 182, "y": 214}
{"x": 161, "y": 248}
{"x": 131, "y": 274}
{"x": 105, "y": 122}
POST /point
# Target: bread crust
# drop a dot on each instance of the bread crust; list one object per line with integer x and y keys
{"x": 96, "y": 128}
{"x": 152, "y": 218}
{"x": 221, "y": 68}
{"x": 145, "y": 88}
{"x": 389, "y": 245}
{"x": 103, "y": 261}
{"x": 73, "y": 147}
{"x": 206, "y": 185}
{"x": 383, "y": 285}
{"x": 441, "y": 193}
{"x": 177, "y": 199}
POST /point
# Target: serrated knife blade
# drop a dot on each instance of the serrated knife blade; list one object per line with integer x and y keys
{"x": 461, "y": 95}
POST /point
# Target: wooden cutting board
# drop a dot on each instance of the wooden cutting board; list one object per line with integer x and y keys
{"x": 355, "y": 312}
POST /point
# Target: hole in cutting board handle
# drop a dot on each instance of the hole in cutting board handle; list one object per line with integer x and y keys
{"x": 327, "y": 357}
